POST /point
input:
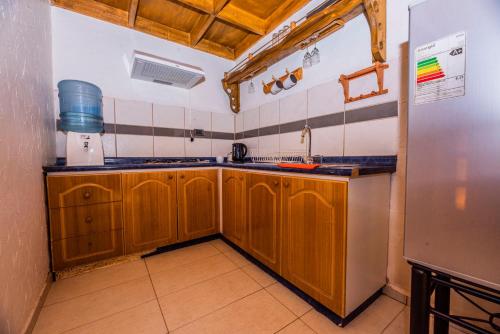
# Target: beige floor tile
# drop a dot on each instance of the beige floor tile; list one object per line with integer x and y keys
{"x": 143, "y": 319}
{"x": 286, "y": 297}
{"x": 184, "y": 306}
{"x": 257, "y": 313}
{"x": 401, "y": 325}
{"x": 259, "y": 275}
{"x": 297, "y": 327}
{"x": 221, "y": 245}
{"x": 95, "y": 280}
{"x": 372, "y": 321}
{"x": 93, "y": 306}
{"x": 238, "y": 259}
{"x": 178, "y": 278}
{"x": 180, "y": 257}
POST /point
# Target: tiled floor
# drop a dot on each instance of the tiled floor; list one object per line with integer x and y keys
{"x": 207, "y": 288}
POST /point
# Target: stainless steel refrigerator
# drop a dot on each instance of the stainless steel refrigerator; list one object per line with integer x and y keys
{"x": 453, "y": 153}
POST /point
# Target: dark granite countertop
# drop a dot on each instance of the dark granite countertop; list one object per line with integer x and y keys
{"x": 335, "y": 166}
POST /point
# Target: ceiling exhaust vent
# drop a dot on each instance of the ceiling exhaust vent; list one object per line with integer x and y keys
{"x": 163, "y": 71}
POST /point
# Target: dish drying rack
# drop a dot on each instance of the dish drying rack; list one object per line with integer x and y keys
{"x": 278, "y": 157}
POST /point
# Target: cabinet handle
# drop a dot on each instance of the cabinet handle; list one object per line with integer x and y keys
{"x": 287, "y": 184}
{"x": 87, "y": 194}
{"x": 276, "y": 183}
{"x": 89, "y": 220}
{"x": 182, "y": 176}
{"x": 90, "y": 244}
{"x": 170, "y": 177}
{"x": 241, "y": 178}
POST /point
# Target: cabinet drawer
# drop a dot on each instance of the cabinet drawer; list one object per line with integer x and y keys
{"x": 65, "y": 191}
{"x": 86, "y": 249}
{"x": 77, "y": 221}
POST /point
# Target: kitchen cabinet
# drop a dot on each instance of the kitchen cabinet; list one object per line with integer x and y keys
{"x": 85, "y": 218}
{"x": 314, "y": 238}
{"x": 234, "y": 207}
{"x": 150, "y": 210}
{"x": 264, "y": 218}
{"x": 198, "y": 203}
{"x": 86, "y": 249}
{"x": 65, "y": 190}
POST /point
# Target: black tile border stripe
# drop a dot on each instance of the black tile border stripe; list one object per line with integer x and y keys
{"x": 140, "y": 130}
{"x": 374, "y": 112}
{"x": 370, "y": 113}
{"x": 222, "y": 135}
{"x": 124, "y": 129}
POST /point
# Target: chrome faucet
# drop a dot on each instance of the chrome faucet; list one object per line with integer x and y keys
{"x": 307, "y": 129}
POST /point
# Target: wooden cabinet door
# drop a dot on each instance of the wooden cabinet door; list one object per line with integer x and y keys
{"x": 198, "y": 203}
{"x": 314, "y": 238}
{"x": 234, "y": 207}
{"x": 264, "y": 218}
{"x": 150, "y": 210}
{"x": 71, "y": 190}
{"x": 86, "y": 249}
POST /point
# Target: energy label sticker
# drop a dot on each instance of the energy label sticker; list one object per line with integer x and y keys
{"x": 440, "y": 69}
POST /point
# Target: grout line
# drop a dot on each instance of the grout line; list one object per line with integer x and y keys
{"x": 107, "y": 316}
{"x": 279, "y": 301}
{"x": 157, "y": 299}
{"x": 288, "y": 325}
{"x": 206, "y": 315}
{"x": 392, "y": 321}
{"x": 94, "y": 291}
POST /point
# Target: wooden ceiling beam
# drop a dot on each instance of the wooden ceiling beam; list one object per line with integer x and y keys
{"x": 201, "y": 28}
{"x": 216, "y": 49}
{"x": 132, "y": 12}
{"x": 162, "y": 31}
{"x": 243, "y": 19}
{"x": 95, "y": 9}
{"x": 206, "y": 6}
{"x": 204, "y": 23}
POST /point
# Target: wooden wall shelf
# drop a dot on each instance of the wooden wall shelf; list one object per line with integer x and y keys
{"x": 316, "y": 25}
{"x": 378, "y": 68}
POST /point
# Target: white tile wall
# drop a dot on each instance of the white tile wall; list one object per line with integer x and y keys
{"x": 133, "y": 112}
{"x": 168, "y": 116}
{"x": 238, "y": 122}
{"x": 269, "y": 144}
{"x": 109, "y": 145}
{"x": 252, "y": 144}
{"x": 366, "y": 84}
{"x": 290, "y": 142}
{"x": 60, "y": 144}
{"x": 293, "y": 107}
{"x": 269, "y": 114}
{"x": 222, "y": 122}
{"x": 325, "y": 99}
{"x": 221, "y": 147}
{"x": 134, "y": 146}
{"x": 328, "y": 141}
{"x": 251, "y": 119}
{"x": 108, "y": 109}
{"x": 169, "y": 147}
{"x": 377, "y": 137}
{"x": 200, "y": 147}
{"x": 195, "y": 119}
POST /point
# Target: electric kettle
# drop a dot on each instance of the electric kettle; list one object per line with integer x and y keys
{"x": 239, "y": 152}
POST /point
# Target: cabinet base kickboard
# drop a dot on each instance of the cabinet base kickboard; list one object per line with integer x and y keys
{"x": 183, "y": 244}
{"x": 335, "y": 318}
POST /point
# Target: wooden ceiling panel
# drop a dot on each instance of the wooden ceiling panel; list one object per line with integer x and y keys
{"x": 226, "y": 28}
{"x": 120, "y": 4}
{"x": 169, "y": 13}
{"x": 226, "y": 34}
{"x": 259, "y": 8}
